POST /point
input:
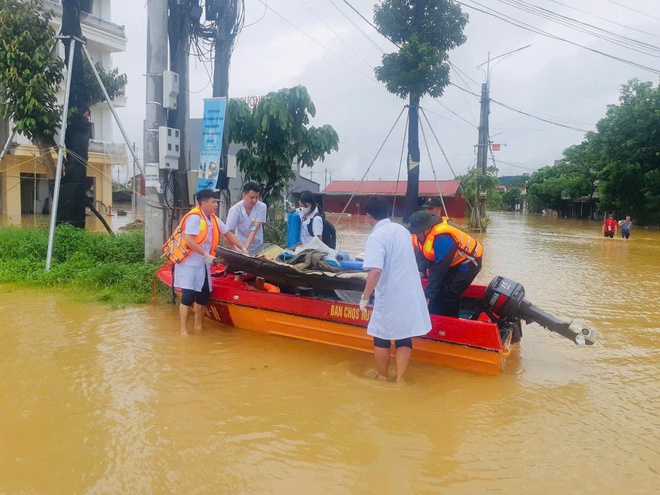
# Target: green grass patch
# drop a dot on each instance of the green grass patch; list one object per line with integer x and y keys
{"x": 90, "y": 265}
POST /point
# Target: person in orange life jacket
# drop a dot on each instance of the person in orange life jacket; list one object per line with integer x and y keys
{"x": 609, "y": 227}
{"x": 201, "y": 234}
{"x": 451, "y": 257}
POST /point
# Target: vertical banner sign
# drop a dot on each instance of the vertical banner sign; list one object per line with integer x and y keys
{"x": 213, "y": 126}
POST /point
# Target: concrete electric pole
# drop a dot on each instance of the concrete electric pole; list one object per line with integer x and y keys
{"x": 156, "y": 116}
{"x": 484, "y": 132}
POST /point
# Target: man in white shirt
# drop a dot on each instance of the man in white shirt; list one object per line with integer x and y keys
{"x": 400, "y": 311}
{"x": 197, "y": 236}
{"x": 248, "y": 216}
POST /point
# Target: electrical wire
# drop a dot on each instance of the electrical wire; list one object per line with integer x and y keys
{"x": 634, "y": 10}
{"x": 318, "y": 42}
{"x": 522, "y": 111}
{"x": 617, "y": 39}
{"x": 373, "y": 43}
{"x": 528, "y": 27}
{"x": 606, "y": 20}
{"x": 337, "y": 34}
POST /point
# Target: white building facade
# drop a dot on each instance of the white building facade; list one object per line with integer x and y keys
{"x": 23, "y": 182}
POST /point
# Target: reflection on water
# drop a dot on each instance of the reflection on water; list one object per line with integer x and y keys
{"x": 114, "y": 401}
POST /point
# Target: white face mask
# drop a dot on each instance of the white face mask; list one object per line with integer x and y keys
{"x": 305, "y": 210}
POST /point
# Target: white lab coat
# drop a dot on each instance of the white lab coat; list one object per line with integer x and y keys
{"x": 400, "y": 309}
{"x": 238, "y": 219}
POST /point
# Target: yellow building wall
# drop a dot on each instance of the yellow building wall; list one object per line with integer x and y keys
{"x": 22, "y": 160}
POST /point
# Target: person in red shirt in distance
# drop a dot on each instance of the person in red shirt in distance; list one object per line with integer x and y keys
{"x": 609, "y": 227}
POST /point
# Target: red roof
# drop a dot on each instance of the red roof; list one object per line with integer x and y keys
{"x": 390, "y": 187}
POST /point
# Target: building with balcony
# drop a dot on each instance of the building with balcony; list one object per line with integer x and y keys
{"x": 23, "y": 182}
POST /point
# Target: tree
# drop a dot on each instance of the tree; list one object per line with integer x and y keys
{"x": 473, "y": 184}
{"x": 628, "y": 138}
{"x": 587, "y": 163}
{"x": 30, "y": 76}
{"x": 424, "y": 30}
{"x": 275, "y": 133}
{"x": 511, "y": 198}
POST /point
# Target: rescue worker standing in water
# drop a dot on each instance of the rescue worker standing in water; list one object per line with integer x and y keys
{"x": 191, "y": 248}
{"x": 451, "y": 258}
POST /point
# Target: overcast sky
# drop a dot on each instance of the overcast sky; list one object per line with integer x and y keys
{"x": 327, "y": 53}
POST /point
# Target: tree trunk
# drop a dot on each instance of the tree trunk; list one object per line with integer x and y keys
{"x": 45, "y": 155}
{"x": 73, "y": 197}
{"x": 412, "y": 189}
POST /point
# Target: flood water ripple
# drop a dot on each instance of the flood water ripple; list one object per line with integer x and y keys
{"x": 99, "y": 401}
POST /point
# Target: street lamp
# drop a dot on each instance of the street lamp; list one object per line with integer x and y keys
{"x": 500, "y": 57}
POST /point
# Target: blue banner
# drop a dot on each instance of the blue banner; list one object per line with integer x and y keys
{"x": 213, "y": 126}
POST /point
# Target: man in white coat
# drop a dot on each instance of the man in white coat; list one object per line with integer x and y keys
{"x": 400, "y": 311}
{"x": 248, "y": 217}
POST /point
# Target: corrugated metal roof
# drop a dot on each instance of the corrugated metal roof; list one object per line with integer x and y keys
{"x": 390, "y": 187}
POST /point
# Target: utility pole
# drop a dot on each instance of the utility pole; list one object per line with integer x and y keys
{"x": 227, "y": 12}
{"x": 325, "y": 182}
{"x": 184, "y": 15}
{"x": 156, "y": 116}
{"x": 482, "y": 147}
{"x": 484, "y": 133}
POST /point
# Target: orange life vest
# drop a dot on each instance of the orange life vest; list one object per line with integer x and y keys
{"x": 467, "y": 247}
{"x": 175, "y": 248}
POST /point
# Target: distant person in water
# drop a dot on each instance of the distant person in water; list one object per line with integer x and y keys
{"x": 609, "y": 227}
{"x": 625, "y": 227}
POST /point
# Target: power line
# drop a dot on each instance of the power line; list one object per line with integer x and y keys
{"x": 522, "y": 111}
{"x": 371, "y": 24}
{"x": 590, "y": 29}
{"x": 528, "y": 27}
{"x": 337, "y": 34}
{"x": 634, "y": 10}
{"x": 356, "y": 26}
{"x": 317, "y": 42}
{"x": 606, "y": 20}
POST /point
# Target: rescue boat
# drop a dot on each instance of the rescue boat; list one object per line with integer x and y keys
{"x": 255, "y": 294}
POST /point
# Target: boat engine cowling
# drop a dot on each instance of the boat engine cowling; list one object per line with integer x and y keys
{"x": 506, "y": 298}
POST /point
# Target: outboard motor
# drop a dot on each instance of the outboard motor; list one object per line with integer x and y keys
{"x": 505, "y": 298}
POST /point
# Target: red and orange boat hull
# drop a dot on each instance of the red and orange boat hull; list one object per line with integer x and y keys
{"x": 470, "y": 345}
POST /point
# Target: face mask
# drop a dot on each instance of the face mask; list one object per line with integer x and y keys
{"x": 305, "y": 210}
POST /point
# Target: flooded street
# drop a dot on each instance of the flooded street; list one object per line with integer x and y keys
{"x": 96, "y": 401}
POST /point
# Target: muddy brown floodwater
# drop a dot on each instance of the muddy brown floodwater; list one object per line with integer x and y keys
{"x": 95, "y": 400}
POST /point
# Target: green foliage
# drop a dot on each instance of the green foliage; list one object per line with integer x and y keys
{"x": 425, "y": 30}
{"x": 511, "y": 198}
{"x": 275, "y": 232}
{"x": 104, "y": 268}
{"x": 486, "y": 184}
{"x": 29, "y": 73}
{"x": 621, "y": 160}
{"x": 275, "y": 133}
{"x": 115, "y": 83}
{"x": 514, "y": 180}
{"x": 628, "y": 140}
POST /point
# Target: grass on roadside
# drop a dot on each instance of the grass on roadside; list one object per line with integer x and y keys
{"x": 93, "y": 266}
